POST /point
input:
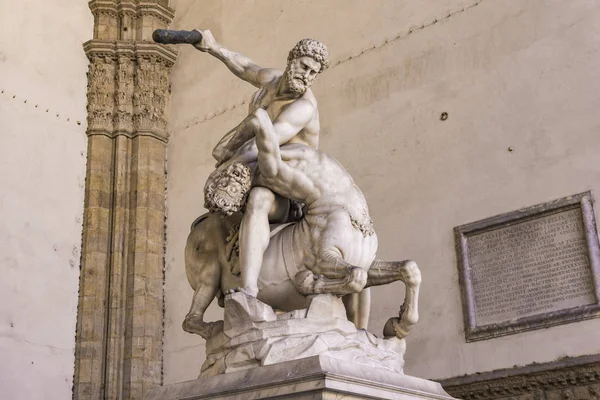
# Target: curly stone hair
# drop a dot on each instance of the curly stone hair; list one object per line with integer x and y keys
{"x": 313, "y": 49}
{"x": 215, "y": 202}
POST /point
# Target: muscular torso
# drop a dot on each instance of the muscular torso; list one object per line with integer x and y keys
{"x": 266, "y": 98}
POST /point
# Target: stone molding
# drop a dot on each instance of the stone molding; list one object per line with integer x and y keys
{"x": 567, "y": 379}
{"x": 158, "y": 10}
{"x": 118, "y": 352}
{"x": 129, "y": 19}
{"x": 128, "y": 88}
{"x": 108, "y": 7}
{"x": 135, "y": 8}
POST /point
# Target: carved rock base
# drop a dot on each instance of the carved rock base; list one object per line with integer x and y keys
{"x": 311, "y": 378}
{"x": 253, "y": 335}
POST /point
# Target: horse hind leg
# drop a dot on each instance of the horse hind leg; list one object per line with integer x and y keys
{"x": 204, "y": 274}
{"x": 194, "y": 320}
{"x": 384, "y": 272}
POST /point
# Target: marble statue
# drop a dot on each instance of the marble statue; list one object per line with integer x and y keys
{"x": 288, "y": 233}
{"x": 330, "y": 250}
{"x": 288, "y": 249}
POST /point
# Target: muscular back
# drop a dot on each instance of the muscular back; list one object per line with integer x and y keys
{"x": 312, "y": 177}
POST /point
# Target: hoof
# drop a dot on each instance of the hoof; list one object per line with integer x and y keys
{"x": 194, "y": 324}
{"x": 396, "y": 327}
{"x": 305, "y": 282}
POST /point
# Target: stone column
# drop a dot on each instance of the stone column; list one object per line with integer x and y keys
{"x": 119, "y": 326}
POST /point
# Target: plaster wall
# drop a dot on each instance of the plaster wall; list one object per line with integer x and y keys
{"x": 42, "y": 176}
{"x": 520, "y": 74}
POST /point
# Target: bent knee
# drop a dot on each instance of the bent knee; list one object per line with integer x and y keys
{"x": 260, "y": 199}
{"x": 413, "y": 273}
{"x": 358, "y": 280}
{"x": 259, "y": 118}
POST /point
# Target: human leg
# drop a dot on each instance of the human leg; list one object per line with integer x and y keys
{"x": 254, "y": 237}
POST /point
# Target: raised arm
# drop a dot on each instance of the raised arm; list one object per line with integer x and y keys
{"x": 243, "y": 67}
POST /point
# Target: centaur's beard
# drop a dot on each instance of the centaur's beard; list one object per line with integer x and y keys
{"x": 226, "y": 204}
{"x": 226, "y": 191}
{"x": 296, "y": 83}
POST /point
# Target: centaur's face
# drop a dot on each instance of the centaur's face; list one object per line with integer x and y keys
{"x": 229, "y": 189}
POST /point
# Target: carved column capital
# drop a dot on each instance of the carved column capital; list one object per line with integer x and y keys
{"x": 128, "y": 88}
{"x": 152, "y": 91}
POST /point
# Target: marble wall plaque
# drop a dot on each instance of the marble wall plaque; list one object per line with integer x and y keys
{"x": 530, "y": 269}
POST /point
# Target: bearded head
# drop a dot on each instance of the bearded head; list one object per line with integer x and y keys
{"x": 306, "y": 60}
{"x": 226, "y": 192}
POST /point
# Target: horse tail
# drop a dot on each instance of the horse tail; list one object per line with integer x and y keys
{"x": 358, "y": 307}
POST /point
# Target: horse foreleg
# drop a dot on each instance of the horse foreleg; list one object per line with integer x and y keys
{"x": 384, "y": 272}
{"x": 308, "y": 283}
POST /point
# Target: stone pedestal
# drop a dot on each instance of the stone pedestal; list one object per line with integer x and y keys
{"x": 314, "y": 353}
{"x": 317, "y": 377}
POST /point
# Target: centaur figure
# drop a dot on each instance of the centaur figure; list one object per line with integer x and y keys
{"x": 331, "y": 250}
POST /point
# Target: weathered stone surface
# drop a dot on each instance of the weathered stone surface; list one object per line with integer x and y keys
{"x": 324, "y": 307}
{"x": 120, "y": 316}
{"x": 244, "y": 308}
{"x": 253, "y": 335}
{"x": 318, "y": 377}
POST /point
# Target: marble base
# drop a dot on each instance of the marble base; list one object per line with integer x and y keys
{"x": 253, "y": 335}
{"x": 317, "y": 377}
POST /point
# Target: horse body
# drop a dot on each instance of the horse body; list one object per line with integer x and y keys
{"x": 207, "y": 258}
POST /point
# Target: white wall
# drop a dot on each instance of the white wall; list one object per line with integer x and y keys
{"x": 42, "y": 176}
{"x": 522, "y": 74}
